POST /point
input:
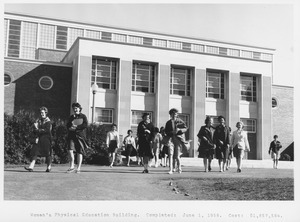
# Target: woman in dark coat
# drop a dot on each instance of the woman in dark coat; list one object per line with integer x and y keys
{"x": 145, "y": 135}
{"x": 42, "y": 140}
{"x": 76, "y": 137}
{"x": 207, "y": 147}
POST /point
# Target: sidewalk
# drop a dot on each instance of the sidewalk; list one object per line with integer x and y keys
{"x": 190, "y": 161}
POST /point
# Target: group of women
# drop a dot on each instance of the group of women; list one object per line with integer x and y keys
{"x": 213, "y": 141}
{"x": 76, "y": 138}
{"x": 220, "y": 143}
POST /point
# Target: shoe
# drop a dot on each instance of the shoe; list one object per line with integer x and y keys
{"x": 179, "y": 171}
{"x": 28, "y": 169}
{"x": 239, "y": 170}
{"x": 77, "y": 171}
{"x": 70, "y": 170}
{"x": 209, "y": 168}
{"x": 110, "y": 166}
{"x": 48, "y": 170}
{"x": 174, "y": 170}
{"x": 147, "y": 171}
{"x": 206, "y": 170}
{"x": 170, "y": 172}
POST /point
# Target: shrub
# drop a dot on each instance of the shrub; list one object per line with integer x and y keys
{"x": 17, "y": 140}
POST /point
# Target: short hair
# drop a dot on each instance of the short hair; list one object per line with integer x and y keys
{"x": 221, "y": 117}
{"x": 112, "y": 125}
{"x": 156, "y": 130}
{"x": 44, "y": 108}
{"x": 129, "y": 131}
{"x": 275, "y": 136}
{"x": 145, "y": 114}
{"x": 207, "y": 119}
{"x": 77, "y": 105}
{"x": 240, "y": 122}
{"x": 173, "y": 110}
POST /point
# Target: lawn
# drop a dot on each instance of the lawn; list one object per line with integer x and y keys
{"x": 236, "y": 188}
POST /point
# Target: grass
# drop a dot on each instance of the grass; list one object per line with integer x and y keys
{"x": 237, "y": 188}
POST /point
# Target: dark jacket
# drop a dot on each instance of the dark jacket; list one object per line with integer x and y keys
{"x": 179, "y": 123}
{"x": 275, "y": 146}
{"x": 208, "y": 134}
{"x": 222, "y": 133}
{"x": 79, "y": 133}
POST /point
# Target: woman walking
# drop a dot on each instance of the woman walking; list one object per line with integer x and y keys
{"x": 112, "y": 142}
{"x": 175, "y": 129}
{"x": 240, "y": 144}
{"x": 76, "y": 125}
{"x": 130, "y": 147}
{"x": 42, "y": 140}
{"x": 145, "y": 136}
{"x": 207, "y": 148}
{"x": 222, "y": 142}
{"x": 275, "y": 146}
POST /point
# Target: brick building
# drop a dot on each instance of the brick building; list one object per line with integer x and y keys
{"x": 55, "y": 62}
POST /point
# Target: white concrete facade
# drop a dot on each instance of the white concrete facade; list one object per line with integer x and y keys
{"x": 161, "y": 101}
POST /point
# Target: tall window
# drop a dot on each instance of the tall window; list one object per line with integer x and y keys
{"x": 248, "y": 88}
{"x": 104, "y": 116}
{"x": 143, "y": 77}
{"x": 104, "y": 72}
{"x": 14, "y": 38}
{"x": 47, "y": 33}
{"x": 29, "y": 38}
{"x": 61, "y": 37}
{"x": 180, "y": 82}
{"x": 215, "y": 85}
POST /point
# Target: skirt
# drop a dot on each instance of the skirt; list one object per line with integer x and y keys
{"x": 113, "y": 146}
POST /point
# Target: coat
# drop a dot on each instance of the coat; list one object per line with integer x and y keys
{"x": 79, "y": 135}
{"x": 43, "y": 140}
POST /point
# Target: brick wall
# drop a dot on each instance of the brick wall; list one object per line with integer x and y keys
{"x": 50, "y": 55}
{"x": 282, "y": 115}
{"x": 25, "y": 93}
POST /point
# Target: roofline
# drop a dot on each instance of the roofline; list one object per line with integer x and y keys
{"x": 38, "y": 62}
{"x": 142, "y": 31}
{"x": 283, "y": 86}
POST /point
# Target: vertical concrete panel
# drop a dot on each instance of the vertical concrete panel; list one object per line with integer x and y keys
{"x": 198, "y": 117}
{"x": 265, "y": 117}
{"x": 74, "y": 92}
{"x": 162, "y": 95}
{"x": 83, "y": 83}
{"x": 233, "y": 100}
{"x": 124, "y": 97}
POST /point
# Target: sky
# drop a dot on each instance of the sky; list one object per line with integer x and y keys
{"x": 264, "y": 25}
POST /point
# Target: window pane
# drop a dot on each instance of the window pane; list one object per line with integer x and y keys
{"x": 106, "y": 73}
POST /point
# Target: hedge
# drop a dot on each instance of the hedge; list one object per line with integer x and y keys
{"x": 17, "y": 136}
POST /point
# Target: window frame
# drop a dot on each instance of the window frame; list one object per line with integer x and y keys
{"x": 151, "y": 77}
{"x": 187, "y": 81}
{"x": 11, "y": 79}
{"x": 51, "y": 80}
{"x": 111, "y": 111}
{"x": 113, "y": 72}
{"x": 221, "y": 81}
{"x": 245, "y": 122}
{"x": 253, "y": 92}
{"x": 139, "y": 119}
